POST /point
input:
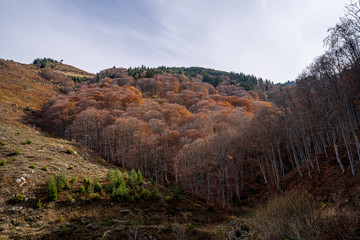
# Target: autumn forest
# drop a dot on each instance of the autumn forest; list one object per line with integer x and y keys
{"x": 213, "y": 134}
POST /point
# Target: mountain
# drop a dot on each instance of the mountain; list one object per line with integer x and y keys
{"x": 219, "y": 160}
{"x": 29, "y": 156}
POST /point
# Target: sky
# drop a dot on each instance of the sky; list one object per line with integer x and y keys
{"x": 272, "y": 39}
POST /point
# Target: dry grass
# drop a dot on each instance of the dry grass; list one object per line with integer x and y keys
{"x": 23, "y": 89}
{"x": 296, "y": 215}
{"x": 340, "y": 224}
{"x": 293, "y": 215}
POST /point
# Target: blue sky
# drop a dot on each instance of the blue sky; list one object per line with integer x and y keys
{"x": 273, "y": 39}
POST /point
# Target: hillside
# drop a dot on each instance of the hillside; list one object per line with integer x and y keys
{"x": 29, "y": 156}
{"x": 104, "y": 218}
{"x": 25, "y": 88}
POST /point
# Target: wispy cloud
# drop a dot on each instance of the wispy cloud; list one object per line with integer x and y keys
{"x": 272, "y": 39}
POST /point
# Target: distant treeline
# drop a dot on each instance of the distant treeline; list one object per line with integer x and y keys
{"x": 43, "y": 61}
{"x": 214, "y": 77}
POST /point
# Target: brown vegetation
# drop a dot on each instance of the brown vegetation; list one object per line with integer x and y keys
{"x": 182, "y": 132}
{"x": 297, "y": 215}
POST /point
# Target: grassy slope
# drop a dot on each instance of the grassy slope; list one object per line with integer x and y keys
{"x": 21, "y": 87}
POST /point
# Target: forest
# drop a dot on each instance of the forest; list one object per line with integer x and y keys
{"x": 212, "y": 134}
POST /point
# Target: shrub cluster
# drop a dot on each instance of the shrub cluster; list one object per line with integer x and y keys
{"x": 60, "y": 183}
{"x": 125, "y": 187}
{"x": 121, "y": 186}
{"x": 94, "y": 188}
{"x": 82, "y": 189}
{"x": 43, "y": 61}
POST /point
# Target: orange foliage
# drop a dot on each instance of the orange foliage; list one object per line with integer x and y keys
{"x": 240, "y": 102}
{"x": 179, "y": 135}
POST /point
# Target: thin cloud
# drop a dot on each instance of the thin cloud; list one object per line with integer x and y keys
{"x": 270, "y": 39}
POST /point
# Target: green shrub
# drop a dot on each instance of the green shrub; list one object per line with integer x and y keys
{"x": 87, "y": 181}
{"x": 18, "y": 133}
{"x": 73, "y": 180}
{"x": 145, "y": 194}
{"x": 2, "y": 163}
{"x": 32, "y": 166}
{"x": 27, "y": 142}
{"x": 82, "y": 198}
{"x": 71, "y": 167}
{"x": 96, "y": 180}
{"x": 133, "y": 178}
{"x": 97, "y": 187}
{"x": 140, "y": 178}
{"x": 45, "y": 168}
{"x": 82, "y": 189}
{"x": 16, "y": 152}
{"x": 62, "y": 182}
{"x": 18, "y": 198}
{"x": 125, "y": 176}
{"x": 61, "y": 218}
{"x": 39, "y": 204}
{"x": 70, "y": 150}
{"x": 96, "y": 196}
{"x": 155, "y": 194}
{"x": 90, "y": 188}
{"x": 152, "y": 181}
{"x": 2, "y": 143}
{"x": 168, "y": 199}
{"x": 70, "y": 199}
{"x": 120, "y": 193}
{"x": 136, "y": 195}
{"x": 52, "y": 190}
{"x": 111, "y": 174}
{"x": 114, "y": 174}
{"x": 116, "y": 178}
